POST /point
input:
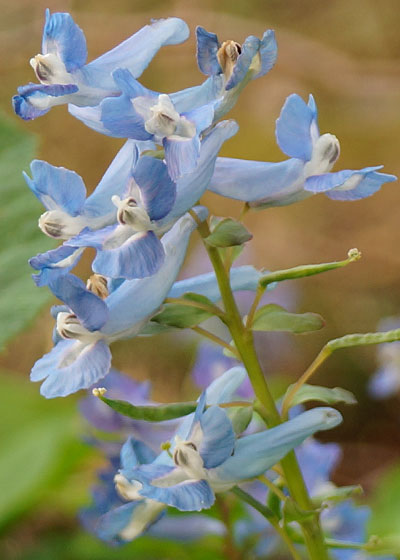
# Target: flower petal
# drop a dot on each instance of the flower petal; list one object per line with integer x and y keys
{"x": 135, "y": 300}
{"x": 91, "y": 310}
{"x": 257, "y": 181}
{"x": 137, "y": 51}
{"x": 35, "y": 100}
{"x": 158, "y": 191}
{"x": 57, "y": 187}
{"x": 268, "y": 52}
{"x": 217, "y": 439}
{"x": 62, "y": 37}
{"x": 256, "y": 453}
{"x": 113, "y": 182}
{"x": 207, "y": 49}
{"x": 181, "y": 155}
{"x": 293, "y": 128}
{"x": 90, "y": 363}
{"x": 189, "y": 495}
{"x": 250, "y": 48}
{"x": 191, "y": 187}
{"x": 140, "y": 256}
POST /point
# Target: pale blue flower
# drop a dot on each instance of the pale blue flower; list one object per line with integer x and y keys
{"x": 207, "y": 458}
{"x": 307, "y": 172}
{"x": 66, "y": 78}
{"x": 386, "y": 380}
{"x": 83, "y": 357}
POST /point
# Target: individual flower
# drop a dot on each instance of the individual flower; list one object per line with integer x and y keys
{"x": 150, "y": 206}
{"x": 307, "y": 172}
{"x": 91, "y": 324}
{"x": 147, "y": 206}
{"x": 117, "y": 517}
{"x": 229, "y": 67}
{"x": 145, "y": 115}
{"x": 206, "y": 458}
{"x": 63, "y": 193}
{"x": 66, "y": 78}
{"x": 386, "y": 380}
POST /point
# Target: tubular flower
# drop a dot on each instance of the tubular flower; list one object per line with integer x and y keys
{"x": 66, "y": 78}
{"x": 307, "y": 172}
{"x": 205, "y": 456}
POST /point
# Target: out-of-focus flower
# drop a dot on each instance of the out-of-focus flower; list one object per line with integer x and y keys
{"x": 66, "y": 78}
{"x": 307, "y": 172}
{"x": 386, "y": 380}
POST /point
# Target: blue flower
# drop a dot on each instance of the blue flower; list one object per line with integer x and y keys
{"x": 114, "y": 522}
{"x": 386, "y": 380}
{"x": 63, "y": 193}
{"x": 230, "y": 67}
{"x": 207, "y": 458}
{"x": 66, "y": 78}
{"x": 83, "y": 357}
{"x": 132, "y": 249}
{"x": 145, "y": 115}
{"x": 307, "y": 172}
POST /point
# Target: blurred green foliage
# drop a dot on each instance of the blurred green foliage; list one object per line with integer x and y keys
{"x": 20, "y": 237}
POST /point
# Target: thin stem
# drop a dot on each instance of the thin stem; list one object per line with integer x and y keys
{"x": 215, "y": 310}
{"x": 272, "y": 487}
{"x": 319, "y": 360}
{"x": 216, "y": 339}
{"x": 244, "y": 343}
{"x": 253, "y": 308}
{"x": 270, "y": 516}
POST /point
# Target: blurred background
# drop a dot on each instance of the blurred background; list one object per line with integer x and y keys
{"x": 347, "y": 55}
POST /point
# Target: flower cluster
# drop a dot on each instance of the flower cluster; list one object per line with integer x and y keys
{"x": 139, "y": 220}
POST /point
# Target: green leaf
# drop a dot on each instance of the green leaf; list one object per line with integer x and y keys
{"x": 308, "y": 269}
{"x": 228, "y": 233}
{"x": 20, "y": 236}
{"x": 337, "y": 494}
{"x": 185, "y": 316}
{"x": 240, "y": 417}
{"x": 365, "y": 339}
{"x": 36, "y": 435}
{"x": 326, "y": 395}
{"x": 385, "y": 518}
{"x": 273, "y": 317}
{"x": 151, "y": 413}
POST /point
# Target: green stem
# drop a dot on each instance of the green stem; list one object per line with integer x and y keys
{"x": 243, "y": 339}
{"x": 268, "y": 514}
{"x": 321, "y": 357}
{"x": 216, "y": 339}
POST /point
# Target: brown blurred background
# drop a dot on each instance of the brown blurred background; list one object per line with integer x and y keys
{"x": 347, "y": 55}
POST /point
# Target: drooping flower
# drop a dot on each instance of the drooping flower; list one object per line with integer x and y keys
{"x": 307, "y": 172}
{"x": 66, "y": 78}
